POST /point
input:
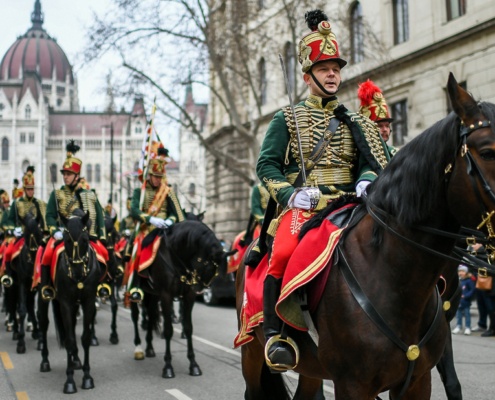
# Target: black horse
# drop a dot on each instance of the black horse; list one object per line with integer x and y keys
{"x": 77, "y": 277}
{"x": 187, "y": 260}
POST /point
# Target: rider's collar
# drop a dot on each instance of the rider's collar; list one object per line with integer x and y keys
{"x": 314, "y": 101}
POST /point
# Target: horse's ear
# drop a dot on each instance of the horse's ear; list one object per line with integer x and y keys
{"x": 201, "y": 216}
{"x": 462, "y": 102}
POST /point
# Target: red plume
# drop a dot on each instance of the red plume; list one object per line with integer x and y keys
{"x": 366, "y": 91}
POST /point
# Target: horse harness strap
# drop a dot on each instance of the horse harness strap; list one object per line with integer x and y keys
{"x": 412, "y": 351}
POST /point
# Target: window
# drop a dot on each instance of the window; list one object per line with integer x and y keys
{"x": 290, "y": 65}
{"x": 401, "y": 21}
{"x": 399, "y": 126}
{"x": 136, "y": 166}
{"x": 22, "y": 137}
{"x": 138, "y": 128}
{"x": 262, "y": 77}
{"x": 192, "y": 189}
{"x": 59, "y": 102}
{"x": 89, "y": 173}
{"x": 357, "y": 35}
{"x": 27, "y": 112}
{"x": 31, "y": 137}
{"x": 449, "y": 105}
{"x": 97, "y": 173}
{"x": 53, "y": 173}
{"x": 455, "y": 9}
{"x": 5, "y": 149}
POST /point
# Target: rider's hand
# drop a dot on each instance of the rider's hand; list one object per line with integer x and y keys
{"x": 361, "y": 188}
{"x": 18, "y": 232}
{"x": 158, "y": 222}
{"x": 169, "y": 222}
{"x": 58, "y": 235}
{"x": 305, "y": 198}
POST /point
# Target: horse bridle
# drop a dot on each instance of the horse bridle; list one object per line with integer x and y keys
{"x": 76, "y": 257}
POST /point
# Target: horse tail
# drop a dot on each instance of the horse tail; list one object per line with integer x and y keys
{"x": 273, "y": 385}
{"x": 59, "y": 325}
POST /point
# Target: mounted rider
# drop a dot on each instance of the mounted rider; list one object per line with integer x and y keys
{"x": 374, "y": 106}
{"x": 71, "y": 196}
{"x": 18, "y": 211}
{"x": 159, "y": 210}
{"x": 340, "y": 157}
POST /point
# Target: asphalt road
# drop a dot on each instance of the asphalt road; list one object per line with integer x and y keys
{"x": 118, "y": 376}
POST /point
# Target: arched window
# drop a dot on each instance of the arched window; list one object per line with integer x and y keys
{"x": 455, "y": 9}
{"x": 262, "y": 78}
{"x": 192, "y": 189}
{"x": 290, "y": 65}
{"x": 89, "y": 172}
{"x": 27, "y": 112}
{"x": 357, "y": 33}
{"x": 401, "y": 21}
{"x": 53, "y": 173}
{"x": 25, "y": 164}
{"x": 5, "y": 149}
{"x": 97, "y": 173}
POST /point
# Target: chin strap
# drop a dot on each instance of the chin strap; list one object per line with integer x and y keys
{"x": 320, "y": 85}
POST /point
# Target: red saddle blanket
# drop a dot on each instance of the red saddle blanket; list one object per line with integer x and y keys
{"x": 312, "y": 258}
{"x": 236, "y": 259}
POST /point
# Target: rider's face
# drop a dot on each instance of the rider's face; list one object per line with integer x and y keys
{"x": 29, "y": 192}
{"x": 69, "y": 177}
{"x": 328, "y": 74}
{"x": 384, "y": 127}
{"x": 155, "y": 180}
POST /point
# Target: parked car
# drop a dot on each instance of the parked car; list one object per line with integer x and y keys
{"x": 221, "y": 288}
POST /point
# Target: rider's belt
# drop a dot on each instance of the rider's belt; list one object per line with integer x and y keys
{"x": 327, "y": 176}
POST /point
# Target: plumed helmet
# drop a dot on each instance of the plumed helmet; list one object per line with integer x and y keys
{"x": 320, "y": 44}
{"x": 17, "y": 191}
{"x": 373, "y": 104}
{"x": 28, "y": 178}
{"x": 71, "y": 163}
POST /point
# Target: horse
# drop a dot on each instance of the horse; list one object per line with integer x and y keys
{"x": 22, "y": 299}
{"x": 188, "y": 258}
{"x": 388, "y": 332}
{"x": 78, "y": 274}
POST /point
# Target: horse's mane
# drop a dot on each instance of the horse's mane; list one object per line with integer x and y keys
{"x": 408, "y": 188}
{"x": 194, "y": 234}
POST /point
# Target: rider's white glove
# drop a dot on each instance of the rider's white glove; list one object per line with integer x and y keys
{"x": 18, "y": 232}
{"x": 361, "y": 188}
{"x": 158, "y": 222}
{"x": 169, "y": 222}
{"x": 58, "y": 235}
{"x": 305, "y": 198}
{"x": 127, "y": 232}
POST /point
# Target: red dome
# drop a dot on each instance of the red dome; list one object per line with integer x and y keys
{"x": 36, "y": 51}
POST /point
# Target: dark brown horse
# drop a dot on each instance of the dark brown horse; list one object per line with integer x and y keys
{"x": 380, "y": 321}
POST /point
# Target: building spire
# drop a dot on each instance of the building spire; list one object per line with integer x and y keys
{"x": 37, "y": 15}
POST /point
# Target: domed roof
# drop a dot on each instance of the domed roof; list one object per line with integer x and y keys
{"x": 36, "y": 51}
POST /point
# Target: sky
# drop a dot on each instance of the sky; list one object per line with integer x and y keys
{"x": 65, "y": 21}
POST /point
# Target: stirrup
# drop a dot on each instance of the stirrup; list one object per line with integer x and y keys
{"x": 50, "y": 296}
{"x": 104, "y": 286}
{"x": 7, "y": 281}
{"x": 138, "y": 291}
{"x": 281, "y": 367}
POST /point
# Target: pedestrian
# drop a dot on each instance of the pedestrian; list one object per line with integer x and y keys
{"x": 344, "y": 163}
{"x": 464, "y": 309}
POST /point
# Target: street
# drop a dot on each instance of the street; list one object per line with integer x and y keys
{"x": 118, "y": 376}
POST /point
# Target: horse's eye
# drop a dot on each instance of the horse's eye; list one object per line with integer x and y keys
{"x": 488, "y": 155}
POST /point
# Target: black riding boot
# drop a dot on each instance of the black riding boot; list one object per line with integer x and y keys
{"x": 47, "y": 290}
{"x": 280, "y": 354}
{"x": 7, "y": 280}
{"x": 491, "y": 327}
{"x": 136, "y": 293}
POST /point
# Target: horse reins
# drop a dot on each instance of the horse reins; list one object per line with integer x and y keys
{"x": 76, "y": 256}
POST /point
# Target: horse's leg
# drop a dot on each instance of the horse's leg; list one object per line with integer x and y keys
{"x": 309, "y": 388}
{"x": 66, "y": 310}
{"x": 418, "y": 390}
{"x": 447, "y": 371}
{"x": 32, "y": 314}
{"x": 138, "y": 351}
{"x": 12, "y": 312}
{"x": 89, "y": 312}
{"x": 42, "y": 341}
{"x": 21, "y": 312}
{"x": 114, "y": 336}
{"x": 188, "y": 303}
{"x": 168, "y": 332}
{"x": 151, "y": 306}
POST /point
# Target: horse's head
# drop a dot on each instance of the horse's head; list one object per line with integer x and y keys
{"x": 76, "y": 236}
{"x": 33, "y": 233}
{"x": 112, "y": 234}
{"x": 471, "y": 183}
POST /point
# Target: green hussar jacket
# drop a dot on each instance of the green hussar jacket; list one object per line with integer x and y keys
{"x": 356, "y": 151}
{"x": 66, "y": 200}
{"x": 21, "y": 206}
{"x": 259, "y": 201}
{"x": 170, "y": 208}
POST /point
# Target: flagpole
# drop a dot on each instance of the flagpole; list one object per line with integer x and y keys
{"x": 143, "y": 186}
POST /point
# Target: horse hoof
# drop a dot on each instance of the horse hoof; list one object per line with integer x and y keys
{"x": 94, "y": 342}
{"x": 114, "y": 339}
{"x": 139, "y": 355}
{"x": 168, "y": 373}
{"x": 21, "y": 349}
{"x": 88, "y": 383}
{"x": 150, "y": 353}
{"x": 45, "y": 367}
{"x": 195, "y": 371}
{"x": 70, "y": 388}
{"x": 9, "y": 327}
